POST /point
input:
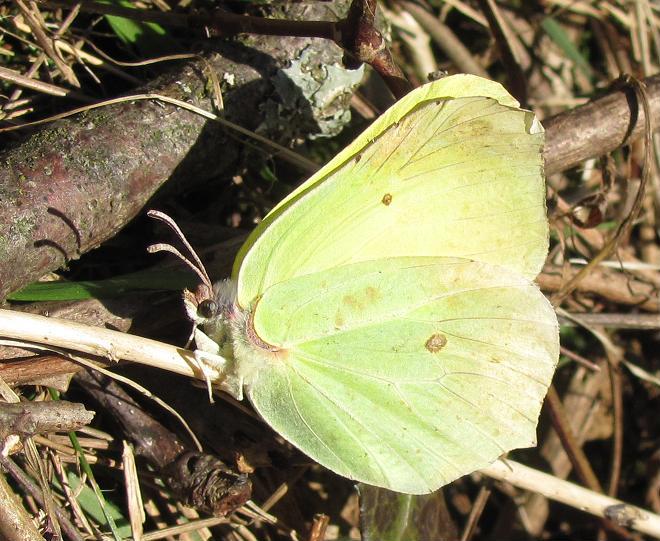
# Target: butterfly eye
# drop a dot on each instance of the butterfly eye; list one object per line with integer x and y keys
{"x": 208, "y": 308}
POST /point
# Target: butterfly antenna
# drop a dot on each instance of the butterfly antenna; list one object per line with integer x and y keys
{"x": 195, "y": 263}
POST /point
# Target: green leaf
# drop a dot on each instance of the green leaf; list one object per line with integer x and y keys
{"x": 391, "y": 516}
{"x": 111, "y": 287}
{"x": 149, "y": 38}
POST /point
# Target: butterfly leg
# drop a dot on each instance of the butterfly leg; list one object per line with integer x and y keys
{"x": 208, "y": 354}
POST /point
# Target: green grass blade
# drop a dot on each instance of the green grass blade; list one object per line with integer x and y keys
{"x": 149, "y": 38}
{"x": 557, "y": 34}
{"x": 112, "y": 287}
{"x": 104, "y": 512}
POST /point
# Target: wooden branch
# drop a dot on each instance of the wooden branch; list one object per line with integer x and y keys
{"x": 357, "y": 34}
{"x": 619, "y": 512}
{"x": 31, "y": 418}
{"x": 598, "y": 127}
{"x": 613, "y": 286}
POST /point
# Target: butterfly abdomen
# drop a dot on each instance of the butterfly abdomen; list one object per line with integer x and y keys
{"x": 250, "y": 351}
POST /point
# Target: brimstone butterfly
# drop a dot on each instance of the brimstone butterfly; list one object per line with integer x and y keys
{"x": 382, "y": 318}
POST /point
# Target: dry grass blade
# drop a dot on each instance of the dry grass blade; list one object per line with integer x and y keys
{"x": 508, "y": 47}
{"x": 39, "y": 86}
{"x": 443, "y": 37}
{"x": 35, "y": 66}
{"x": 15, "y": 523}
{"x": 133, "y": 493}
{"x": 36, "y": 22}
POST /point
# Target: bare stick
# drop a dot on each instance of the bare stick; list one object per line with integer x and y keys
{"x": 113, "y": 345}
{"x": 30, "y": 418}
{"x": 575, "y": 496}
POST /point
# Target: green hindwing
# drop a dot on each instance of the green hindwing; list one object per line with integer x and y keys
{"x": 406, "y": 373}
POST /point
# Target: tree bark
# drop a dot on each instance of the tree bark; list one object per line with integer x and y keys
{"x": 599, "y": 127}
{"x": 76, "y": 183}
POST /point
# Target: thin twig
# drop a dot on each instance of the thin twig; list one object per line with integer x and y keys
{"x": 648, "y": 322}
{"x": 475, "y": 513}
{"x": 617, "y": 422}
{"x": 579, "y": 359}
{"x": 573, "y": 450}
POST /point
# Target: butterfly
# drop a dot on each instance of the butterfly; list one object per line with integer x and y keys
{"x": 382, "y": 318}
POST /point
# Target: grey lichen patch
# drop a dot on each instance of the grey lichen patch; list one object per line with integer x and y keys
{"x": 317, "y": 90}
{"x": 436, "y": 342}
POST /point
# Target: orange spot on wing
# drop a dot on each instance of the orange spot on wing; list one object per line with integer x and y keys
{"x": 353, "y": 302}
{"x": 436, "y": 342}
{"x": 372, "y": 294}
